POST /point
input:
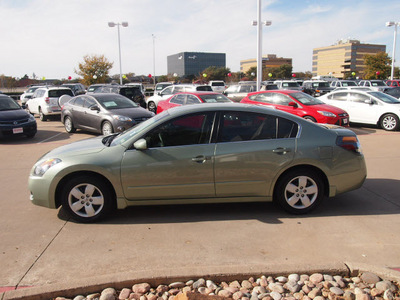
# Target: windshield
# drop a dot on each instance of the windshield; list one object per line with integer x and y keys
{"x": 8, "y": 104}
{"x": 306, "y": 99}
{"x": 127, "y": 134}
{"x": 349, "y": 83}
{"x": 321, "y": 84}
{"x": 290, "y": 84}
{"x": 115, "y": 101}
{"x": 213, "y": 98}
{"x": 385, "y": 97}
{"x": 378, "y": 83}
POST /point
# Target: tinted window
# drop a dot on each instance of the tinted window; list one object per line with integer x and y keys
{"x": 178, "y": 99}
{"x": 212, "y": 98}
{"x": 59, "y": 93}
{"x": 191, "y": 99}
{"x": 79, "y": 101}
{"x": 358, "y": 97}
{"x": 7, "y": 103}
{"x": 205, "y": 88}
{"x": 338, "y": 96}
{"x": 188, "y": 130}
{"x": 89, "y": 102}
{"x": 306, "y": 99}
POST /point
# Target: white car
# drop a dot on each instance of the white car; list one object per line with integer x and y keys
{"x": 28, "y": 94}
{"x": 367, "y": 107}
{"x": 44, "y": 101}
{"x": 218, "y": 86}
{"x": 152, "y": 102}
{"x": 376, "y": 85}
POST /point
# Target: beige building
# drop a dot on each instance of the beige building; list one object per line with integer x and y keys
{"x": 346, "y": 56}
{"x": 269, "y": 61}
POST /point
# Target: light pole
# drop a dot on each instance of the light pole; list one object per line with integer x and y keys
{"x": 154, "y": 59}
{"x": 259, "y": 43}
{"x": 124, "y": 24}
{"x": 395, "y": 24}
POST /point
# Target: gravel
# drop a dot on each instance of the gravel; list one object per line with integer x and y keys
{"x": 366, "y": 286}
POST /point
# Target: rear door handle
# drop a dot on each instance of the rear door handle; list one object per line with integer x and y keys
{"x": 281, "y": 150}
{"x": 201, "y": 159}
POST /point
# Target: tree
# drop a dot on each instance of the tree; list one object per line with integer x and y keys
{"x": 94, "y": 69}
{"x": 377, "y": 66}
{"x": 215, "y": 73}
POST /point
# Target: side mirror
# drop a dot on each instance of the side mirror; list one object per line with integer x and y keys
{"x": 95, "y": 107}
{"x": 140, "y": 144}
{"x": 293, "y": 104}
{"x": 369, "y": 101}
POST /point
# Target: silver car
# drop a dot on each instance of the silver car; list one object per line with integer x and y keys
{"x": 202, "y": 153}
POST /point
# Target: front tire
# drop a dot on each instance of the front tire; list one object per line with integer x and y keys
{"x": 309, "y": 118}
{"x": 106, "y": 128}
{"x": 87, "y": 198}
{"x": 299, "y": 191}
{"x": 152, "y": 107}
{"x": 389, "y": 122}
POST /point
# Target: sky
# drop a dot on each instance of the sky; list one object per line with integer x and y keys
{"x": 49, "y": 38}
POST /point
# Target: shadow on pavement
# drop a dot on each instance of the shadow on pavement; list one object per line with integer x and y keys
{"x": 376, "y": 197}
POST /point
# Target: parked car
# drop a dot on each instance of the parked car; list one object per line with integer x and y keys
{"x": 393, "y": 91}
{"x": 138, "y": 84}
{"x": 25, "y": 96}
{"x": 44, "y": 101}
{"x": 343, "y": 83}
{"x": 238, "y": 91}
{"x": 102, "y": 113}
{"x": 288, "y": 85}
{"x": 152, "y": 102}
{"x": 160, "y": 86}
{"x": 77, "y": 88}
{"x": 14, "y": 120}
{"x": 217, "y": 85}
{"x": 300, "y": 104}
{"x": 191, "y": 98}
{"x": 131, "y": 92}
{"x": 316, "y": 88}
{"x": 376, "y": 85}
{"x": 202, "y": 154}
{"x": 393, "y": 83}
{"x": 367, "y": 107}
{"x": 91, "y": 88}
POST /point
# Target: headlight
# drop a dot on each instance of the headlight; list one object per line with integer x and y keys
{"x": 43, "y": 166}
{"x": 31, "y": 118}
{"x": 122, "y": 118}
{"x": 327, "y": 114}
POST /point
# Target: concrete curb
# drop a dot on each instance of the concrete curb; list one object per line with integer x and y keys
{"x": 216, "y": 273}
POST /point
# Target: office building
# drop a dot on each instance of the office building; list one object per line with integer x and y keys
{"x": 269, "y": 61}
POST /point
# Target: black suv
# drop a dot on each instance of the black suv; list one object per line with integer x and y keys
{"x": 316, "y": 88}
{"x": 77, "y": 88}
{"x": 132, "y": 92}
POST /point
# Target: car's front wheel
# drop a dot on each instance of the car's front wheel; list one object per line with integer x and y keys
{"x": 106, "y": 128}
{"x": 309, "y": 118}
{"x": 69, "y": 125}
{"x": 389, "y": 122}
{"x": 151, "y": 106}
{"x": 299, "y": 191}
{"x": 87, "y": 198}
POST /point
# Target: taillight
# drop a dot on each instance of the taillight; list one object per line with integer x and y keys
{"x": 350, "y": 143}
{"x": 47, "y": 100}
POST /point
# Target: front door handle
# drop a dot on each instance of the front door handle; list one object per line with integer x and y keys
{"x": 281, "y": 150}
{"x": 201, "y": 159}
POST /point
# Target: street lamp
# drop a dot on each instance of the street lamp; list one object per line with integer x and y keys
{"x": 154, "y": 60}
{"x": 395, "y": 24}
{"x": 124, "y": 24}
{"x": 259, "y": 24}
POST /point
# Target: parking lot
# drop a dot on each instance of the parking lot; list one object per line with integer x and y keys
{"x": 41, "y": 246}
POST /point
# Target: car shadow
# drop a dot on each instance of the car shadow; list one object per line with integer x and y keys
{"x": 376, "y": 197}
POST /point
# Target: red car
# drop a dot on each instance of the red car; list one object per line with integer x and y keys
{"x": 191, "y": 98}
{"x": 300, "y": 104}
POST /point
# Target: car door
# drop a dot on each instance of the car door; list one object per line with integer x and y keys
{"x": 179, "y": 161}
{"x": 338, "y": 99}
{"x": 251, "y": 150}
{"x": 363, "y": 108}
{"x": 91, "y": 116}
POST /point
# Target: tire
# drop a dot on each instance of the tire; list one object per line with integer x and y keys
{"x": 309, "y": 118}
{"x": 389, "y": 122}
{"x": 151, "y": 106}
{"x": 299, "y": 191}
{"x": 69, "y": 125}
{"x": 106, "y": 128}
{"x": 87, "y": 198}
{"x": 42, "y": 116}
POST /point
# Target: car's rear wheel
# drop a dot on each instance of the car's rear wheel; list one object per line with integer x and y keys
{"x": 106, "y": 128}
{"x": 309, "y": 118}
{"x": 151, "y": 106}
{"x": 299, "y": 191}
{"x": 42, "y": 116}
{"x": 87, "y": 198}
{"x": 69, "y": 125}
{"x": 389, "y": 122}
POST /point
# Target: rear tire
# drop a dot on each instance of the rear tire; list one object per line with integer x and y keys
{"x": 42, "y": 116}
{"x": 299, "y": 191}
{"x": 389, "y": 122}
{"x": 69, "y": 125}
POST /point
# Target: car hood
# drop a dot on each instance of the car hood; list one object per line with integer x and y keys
{"x": 132, "y": 112}
{"x": 326, "y": 107}
{"x": 10, "y": 115}
{"x": 87, "y": 146}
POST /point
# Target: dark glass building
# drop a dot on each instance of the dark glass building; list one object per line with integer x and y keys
{"x": 193, "y": 63}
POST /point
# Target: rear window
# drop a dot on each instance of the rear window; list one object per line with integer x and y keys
{"x": 218, "y": 83}
{"x": 206, "y": 88}
{"x": 59, "y": 93}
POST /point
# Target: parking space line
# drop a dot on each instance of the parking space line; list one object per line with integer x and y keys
{"x": 52, "y": 137}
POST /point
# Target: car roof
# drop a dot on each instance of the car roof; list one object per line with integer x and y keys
{"x": 286, "y": 92}
{"x": 198, "y": 93}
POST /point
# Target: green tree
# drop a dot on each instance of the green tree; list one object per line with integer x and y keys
{"x": 94, "y": 69}
{"x": 215, "y": 73}
{"x": 377, "y": 66}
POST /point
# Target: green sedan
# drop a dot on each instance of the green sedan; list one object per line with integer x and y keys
{"x": 203, "y": 153}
